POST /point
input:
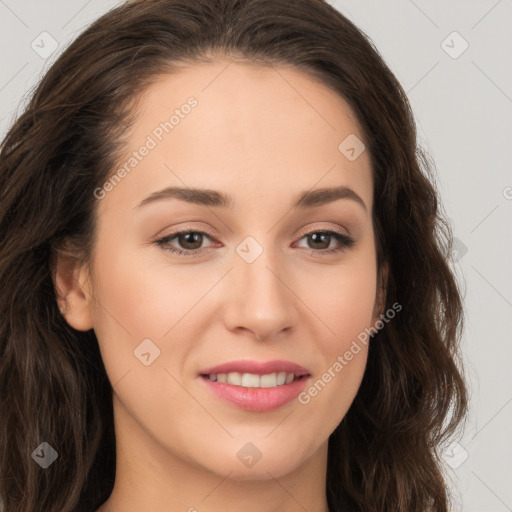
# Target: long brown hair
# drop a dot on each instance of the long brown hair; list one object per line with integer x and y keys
{"x": 385, "y": 454}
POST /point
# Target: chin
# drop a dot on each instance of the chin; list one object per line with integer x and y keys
{"x": 260, "y": 471}
{"x": 267, "y": 463}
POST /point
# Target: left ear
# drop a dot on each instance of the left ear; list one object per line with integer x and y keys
{"x": 72, "y": 285}
{"x": 382, "y": 286}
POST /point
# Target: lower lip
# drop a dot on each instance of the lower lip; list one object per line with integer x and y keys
{"x": 257, "y": 399}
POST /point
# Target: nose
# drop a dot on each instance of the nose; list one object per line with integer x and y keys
{"x": 261, "y": 301}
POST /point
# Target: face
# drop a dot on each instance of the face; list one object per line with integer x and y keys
{"x": 261, "y": 278}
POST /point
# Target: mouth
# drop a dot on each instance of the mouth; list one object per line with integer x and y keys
{"x": 256, "y": 386}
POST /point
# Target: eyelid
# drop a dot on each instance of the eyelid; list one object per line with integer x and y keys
{"x": 311, "y": 229}
{"x": 316, "y": 228}
{"x": 181, "y": 231}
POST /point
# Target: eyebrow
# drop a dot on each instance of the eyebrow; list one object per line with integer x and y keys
{"x": 207, "y": 197}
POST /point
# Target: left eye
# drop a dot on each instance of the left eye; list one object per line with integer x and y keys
{"x": 192, "y": 241}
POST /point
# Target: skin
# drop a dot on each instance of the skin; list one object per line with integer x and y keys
{"x": 263, "y": 136}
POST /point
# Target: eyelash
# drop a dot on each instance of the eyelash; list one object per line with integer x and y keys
{"x": 345, "y": 241}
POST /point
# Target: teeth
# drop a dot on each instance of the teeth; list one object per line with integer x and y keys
{"x": 251, "y": 380}
{"x": 234, "y": 378}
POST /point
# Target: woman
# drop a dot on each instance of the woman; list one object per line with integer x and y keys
{"x": 225, "y": 272}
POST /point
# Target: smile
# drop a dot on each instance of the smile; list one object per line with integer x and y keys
{"x": 255, "y": 385}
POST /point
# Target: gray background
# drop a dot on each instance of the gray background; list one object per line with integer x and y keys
{"x": 463, "y": 108}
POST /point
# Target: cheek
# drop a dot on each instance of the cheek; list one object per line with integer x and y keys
{"x": 344, "y": 303}
{"x": 138, "y": 295}
{"x": 343, "y": 299}
{"x": 349, "y": 316}
{"x": 128, "y": 307}
{"x": 140, "y": 298}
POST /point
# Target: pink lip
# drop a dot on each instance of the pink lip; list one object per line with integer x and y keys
{"x": 257, "y": 399}
{"x": 256, "y": 367}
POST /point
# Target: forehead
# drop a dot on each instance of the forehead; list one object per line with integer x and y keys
{"x": 244, "y": 128}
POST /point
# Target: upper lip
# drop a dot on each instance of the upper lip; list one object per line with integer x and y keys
{"x": 257, "y": 367}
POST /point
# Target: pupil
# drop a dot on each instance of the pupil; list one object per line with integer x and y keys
{"x": 194, "y": 236}
{"x": 315, "y": 237}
